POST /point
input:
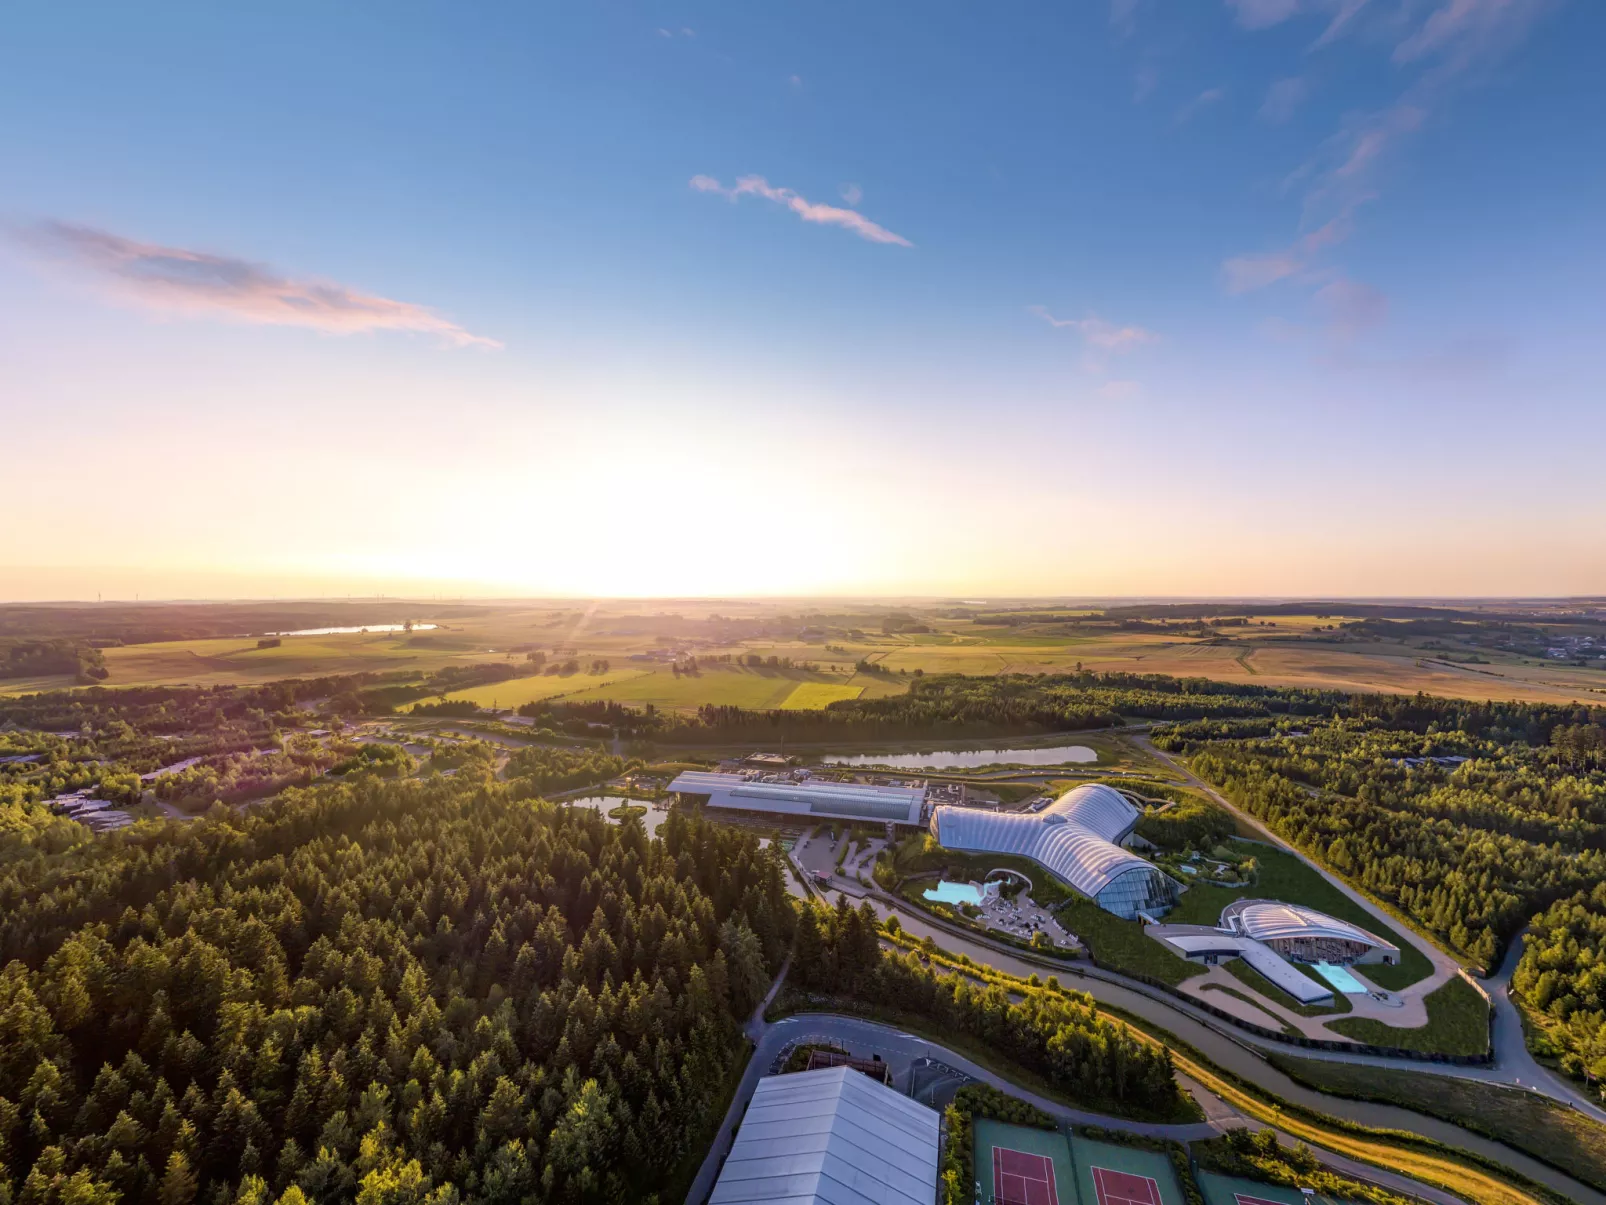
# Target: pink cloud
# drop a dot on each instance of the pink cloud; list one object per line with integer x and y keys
{"x": 1282, "y": 98}
{"x": 1106, "y": 336}
{"x": 199, "y": 284}
{"x": 1246, "y": 273}
{"x": 1351, "y": 307}
{"x": 1262, "y": 14}
{"x": 809, "y": 211}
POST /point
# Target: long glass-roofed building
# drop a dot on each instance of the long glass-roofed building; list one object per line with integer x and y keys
{"x": 1077, "y": 839}
{"x": 807, "y": 799}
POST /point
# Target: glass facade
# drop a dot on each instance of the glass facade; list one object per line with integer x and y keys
{"x": 1141, "y": 889}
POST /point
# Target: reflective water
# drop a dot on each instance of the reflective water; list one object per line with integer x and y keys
{"x": 969, "y": 759}
{"x": 1340, "y": 978}
{"x": 954, "y": 893}
{"x": 606, "y": 803}
{"x": 373, "y": 627}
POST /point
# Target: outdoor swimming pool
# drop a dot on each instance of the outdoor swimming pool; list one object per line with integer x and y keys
{"x": 1340, "y": 978}
{"x": 954, "y": 893}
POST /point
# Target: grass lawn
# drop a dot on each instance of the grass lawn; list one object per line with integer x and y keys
{"x": 1458, "y": 1023}
{"x": 1283, "y": 876}
{"x": 1122, "y": 945}
{"x": 1562, "y": 1137}
{"x": 1254, "y": 980}
{"x": 811, "y": 696}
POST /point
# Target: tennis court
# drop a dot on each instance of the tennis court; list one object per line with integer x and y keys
{"x": 1019, "y": 1165}
{"x": 1107, "y": 1174}
{"x": 1235, "y": 1190}
{"x": 1020, "y": 1178}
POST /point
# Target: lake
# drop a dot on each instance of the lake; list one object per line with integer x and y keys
{"x": 373, "y": 627}
{"x": 970, "y": 759}
{"x": 606, "y": 803}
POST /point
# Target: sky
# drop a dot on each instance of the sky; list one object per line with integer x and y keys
{"x": 1103, "y": 297}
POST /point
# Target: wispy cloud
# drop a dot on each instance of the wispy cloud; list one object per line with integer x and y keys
{"x": 796, "y": 81}
{"x": 1262, "y": 14}
{"x": 682, "y": 32}
{"x": 1097, "y": 333}
{"x": 1439, "y": 52}
{"x": 1206, "y": 98}
{"x": 809, "y": 211}
{"x": 1340, "y": 22}
{"x": 1282, "y": 98}
{"x": 1351, "y": 307}
{"x": 176, "y": 280}
{"x": 1123, "y": 17}
{"x": 1144, "y": 82}
{"x": 1120, "y": 391}
{"x": 851, "y": 193}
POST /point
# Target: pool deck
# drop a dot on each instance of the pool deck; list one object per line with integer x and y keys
{"x": 1406, "y": 1011}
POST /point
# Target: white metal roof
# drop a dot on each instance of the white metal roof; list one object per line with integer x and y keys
{"x": 1074, "y": 837}
{"x": 1264, "y": 959}
{"x": 1270, "y": 920}
{"x": 832, "y": 1136}
{"x": 836, "y": 800}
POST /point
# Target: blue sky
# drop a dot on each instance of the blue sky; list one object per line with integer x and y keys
{"x": 1254, "y": 296}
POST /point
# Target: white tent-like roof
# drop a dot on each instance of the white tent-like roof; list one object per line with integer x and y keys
{"x": 832, "y": 1137}
{"x": 1271, "y": 920}
{"x": 1076, "y": 837}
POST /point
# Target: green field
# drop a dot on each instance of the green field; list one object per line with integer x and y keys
{"x": 1562, "y": 1137}
{"x": 810, "y": 696}
{"x": 1458, "y": 1023}
{"x": 519, "y": 691}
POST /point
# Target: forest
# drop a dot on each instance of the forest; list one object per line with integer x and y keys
{"x": 387, "y": 991}
{"x": 954, "y": 705}
{"x": 1059, "y": 1035}
{"x": 1475, "y": 820}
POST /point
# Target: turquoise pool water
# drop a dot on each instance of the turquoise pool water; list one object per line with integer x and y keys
{"x": 1340, "y": 978}
{"x": 954, "y": 893}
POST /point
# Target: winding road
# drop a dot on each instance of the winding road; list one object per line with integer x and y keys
{"x": 1513, "y": 1063}
{"x": 899, "y": 1049}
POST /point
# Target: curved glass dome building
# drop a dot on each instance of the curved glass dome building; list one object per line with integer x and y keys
{"x": 1305, "y": 935}
{"x": 1077, "y": 839}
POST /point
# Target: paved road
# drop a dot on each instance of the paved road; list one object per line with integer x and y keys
{"x": 1236, "y": 1051}
{"x": 1511, "y": 1050}
{"x": 901, "y": 1049}
{"x": 1513, "y": 1063}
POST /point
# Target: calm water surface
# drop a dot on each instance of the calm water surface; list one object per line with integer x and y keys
{"x": 969, "y": 759}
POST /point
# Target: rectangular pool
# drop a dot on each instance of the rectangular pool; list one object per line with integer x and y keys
{"x": 1340, "y": 978}
{"x": 954, "y": 893}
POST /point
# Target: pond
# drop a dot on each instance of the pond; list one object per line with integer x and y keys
{"x": 606, "y": 803}
{"x": 970, "y": 759}
{"x": 955, "y": 893}
{"x": 373, "y": 627}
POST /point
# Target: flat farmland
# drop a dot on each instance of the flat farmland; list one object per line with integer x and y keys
{"x": 236, "y": 661}
{"x": 516, "y": 692}
{"x": 808, "y": 696}
{"x": 721, "y": 685}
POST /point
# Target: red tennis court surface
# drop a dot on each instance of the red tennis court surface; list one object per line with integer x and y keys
{"x": 1023, "y": 1179}
{"x": 1244, "y": 1200}
{"x": 1123, "y": 1188}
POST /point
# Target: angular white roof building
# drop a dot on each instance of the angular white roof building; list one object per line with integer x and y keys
{"x": 832, "y": 1137}
{"x": 1077, "y": 839}
{"x": 1305, "y": 934}
{"x": 808, "y": 799}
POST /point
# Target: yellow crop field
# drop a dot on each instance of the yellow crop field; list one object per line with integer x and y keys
{"x": 518, "y": 691}
{"x": 810, "y": 696}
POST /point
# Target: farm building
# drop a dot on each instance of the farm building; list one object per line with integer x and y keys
{"x": 1077, "y": 839}
{"x": 807, "y": 800}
